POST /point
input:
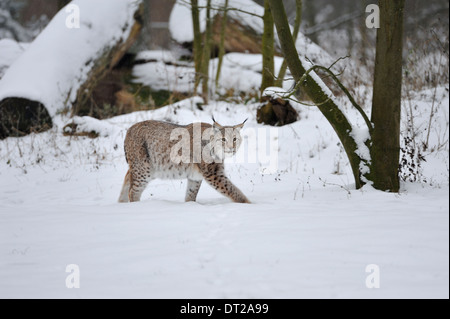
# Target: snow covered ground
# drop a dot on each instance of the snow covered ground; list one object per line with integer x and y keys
{"x": 308, "y": 233}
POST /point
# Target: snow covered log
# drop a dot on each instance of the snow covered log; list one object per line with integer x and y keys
{"x": 61, "y": 67}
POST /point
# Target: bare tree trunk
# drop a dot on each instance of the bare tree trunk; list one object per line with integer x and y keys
{"x": 268, "y": 50}
{"x": 298, "y": 22}
{"x": 206, "y": 54}
{"x": 386, "y": 104}
{"x": 381, "y": 169}
{"x": 364, "y": 43}
{"x": 310, "y": 15}
{"x": 197, "y": 43}
{"x": 222, "y": 42}
{"x": 329, "y": 109}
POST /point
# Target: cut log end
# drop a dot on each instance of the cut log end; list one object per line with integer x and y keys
{"x": 276, "y": 112}
{"x": 19, "y": 117}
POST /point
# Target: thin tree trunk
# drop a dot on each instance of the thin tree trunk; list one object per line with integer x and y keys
{"x": 310, "y": 17}
{"x": 298, "y": 21}
{"x": 364, "y": 43}
{"x": 222, "y": 42}
{"x": 197, "y": 43}
{"x": 329, "y": 109}
{"x": 206, "y": 54}
{"x": 386, "y": 104}
{"x": 268, "y": 50}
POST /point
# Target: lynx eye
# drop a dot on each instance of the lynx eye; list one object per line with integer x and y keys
{"x": 234, "y": 139}
{"x": 224, "y": 139}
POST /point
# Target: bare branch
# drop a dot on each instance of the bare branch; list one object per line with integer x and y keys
{"x": 332, "y": 24}
{"x": 222, "y": 9}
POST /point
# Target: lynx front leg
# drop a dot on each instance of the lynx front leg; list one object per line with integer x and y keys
{"x": 192, "y": 190}
{"x": 215, "y": 176}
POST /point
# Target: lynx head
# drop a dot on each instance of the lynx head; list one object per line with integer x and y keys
{"x": 225, "y": 140}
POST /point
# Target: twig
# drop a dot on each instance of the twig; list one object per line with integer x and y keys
{"x": 333, "y": 184}
{"x": 332, "y": 24}
{"x": 432, "y": 105}
{"x": 343, "y": 88}
{"x": 185, "y": 2}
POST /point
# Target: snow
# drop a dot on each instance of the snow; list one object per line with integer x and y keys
{"x": 361, "y": 136}
{"x": 59, "y": 73}
{"x": 307, "y": 234}
{"x": 180, "y": 23}
{"x": 157, "y": 55}
{"x": 276, "y": 92}
{"x": 10, "y": 51}
{"x": 90, "y": 124}
{"x": 240, "y": 72}
{"x": 161, "y": 76}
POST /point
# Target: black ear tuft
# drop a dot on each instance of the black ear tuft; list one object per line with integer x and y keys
{"x": 215, "y": 124}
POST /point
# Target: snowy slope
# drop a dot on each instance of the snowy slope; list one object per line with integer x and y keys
{"x": 307, "y": 233}
{"x": 60, "y": 72}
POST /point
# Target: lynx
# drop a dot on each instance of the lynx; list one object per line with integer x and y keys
{"x": 153, "y": 149}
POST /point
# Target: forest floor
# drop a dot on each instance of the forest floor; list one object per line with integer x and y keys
{"x": 308, "y": 232}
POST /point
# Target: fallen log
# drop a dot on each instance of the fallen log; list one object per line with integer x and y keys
{"x": 62, "y": 66}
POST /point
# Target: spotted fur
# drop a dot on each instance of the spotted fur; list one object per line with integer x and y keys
{"x": 149, "y": 151}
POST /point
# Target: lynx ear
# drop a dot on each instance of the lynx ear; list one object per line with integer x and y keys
{"x": 216, "y": 125}
{"x": 239, "y": 126}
